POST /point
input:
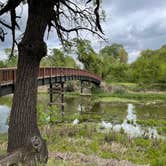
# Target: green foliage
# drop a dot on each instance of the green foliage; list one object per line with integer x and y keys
{"x": 160, "y": 161}
{"x": 150, "y": 67}
{"x": 115, "y": 52}
{"x": 10, "y": 61}
{"x": 2, "y": 64}
{"x": 110, "y": 63}
{"x": 114, "y": 59}
{"x": 149, "y": 122}
{"x": 148, "y": 71}
{"x": 69, "y": 87}
{"x": 88, "y": 57}
{"x": 70, "y": 138}
{"x": 126, "y": 97}
{"x": 3, "y": 143}
{"x": 58, "y": 58}
{"x": 118, "y": 72}
{"x": 47, "y": 114}
{"x": 162, "y": 130}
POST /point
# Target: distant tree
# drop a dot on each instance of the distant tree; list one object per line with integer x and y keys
{"x": 57, "y": 58}
{"x": 65, "y": 16}
{"x": 2, "y": 64}
{"x": 114, "y": 58}
{"x": 118, "y": 72}
{"x": 115, "y": 52}
{"x": 88, "y": 56}
{"x": 11, "y": 61}
{"x": 150, "y": 66}
{"x": 70, "y": 62}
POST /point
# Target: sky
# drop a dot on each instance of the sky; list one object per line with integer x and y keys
{"x": 136, "y": 24}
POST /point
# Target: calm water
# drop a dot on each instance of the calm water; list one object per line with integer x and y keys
{"x": 108, "y": 116}
{"x": 4, "y": 113}
{"x": 130, "y": 126}
{"x": 117, "y": 117}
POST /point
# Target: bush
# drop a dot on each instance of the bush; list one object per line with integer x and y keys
{"x": 69, "y": 87}
{"x": 118, "y": 90}
{"x": 160, "y": 161}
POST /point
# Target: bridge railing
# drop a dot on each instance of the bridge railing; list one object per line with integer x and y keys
{"x": 50, "y": 72}
{"x": 8, "y": 75}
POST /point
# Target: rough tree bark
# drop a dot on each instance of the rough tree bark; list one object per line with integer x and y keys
{"x": 23, "y": 130}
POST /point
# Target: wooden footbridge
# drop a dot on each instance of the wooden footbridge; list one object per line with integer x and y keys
{"x": 47, "y": 76}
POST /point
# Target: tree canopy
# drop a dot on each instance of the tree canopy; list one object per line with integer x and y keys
{"x": 57, "y": 58}
{"x": 150, "y": 67}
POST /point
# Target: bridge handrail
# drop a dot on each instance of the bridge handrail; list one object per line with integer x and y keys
{"x": 8, "y": 75}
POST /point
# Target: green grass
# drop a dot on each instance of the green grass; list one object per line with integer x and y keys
{"x": 53, "y": 162}
{"x": 6, "y": 100}
{"x": 139, "y": 86}
{"x": 87, "y": 139}
{"x": 3, "y": 143}
{"x": 116, "y": 99}
{"x": 145, "y": 97}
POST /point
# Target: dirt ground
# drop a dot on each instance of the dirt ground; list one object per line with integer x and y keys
{"x": 81, "y": 159}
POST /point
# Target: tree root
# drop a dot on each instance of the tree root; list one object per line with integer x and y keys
{"x": 30, "y": 155}
{"x": 11, "y": 159}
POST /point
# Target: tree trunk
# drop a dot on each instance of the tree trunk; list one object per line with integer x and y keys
{"x": 23, "y": 130}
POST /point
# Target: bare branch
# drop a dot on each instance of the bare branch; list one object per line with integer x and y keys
{"x": 14, "y": 24}
{"x": 11, "y": 4}
{"x": 6, "y": 25}
{"x": 67, "y": 16}
{"x": 2, "y": 34}
{"x": 97, "y": 16}
{"x": 77, "y": 17}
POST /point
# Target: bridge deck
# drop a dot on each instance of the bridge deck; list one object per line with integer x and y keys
{"x": 46, "y": 76}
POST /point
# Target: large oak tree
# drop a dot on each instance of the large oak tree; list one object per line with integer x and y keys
{"x": 66, "y": 16}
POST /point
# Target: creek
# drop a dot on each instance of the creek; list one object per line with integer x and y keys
{"x": 108, "y": 116}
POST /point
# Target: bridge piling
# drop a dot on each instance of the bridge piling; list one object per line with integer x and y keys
{"x": 62, "y": 99}
{"x": 81, "y": 86}
{"x": 57, "y": 89}
{"x": 51, "y": 94}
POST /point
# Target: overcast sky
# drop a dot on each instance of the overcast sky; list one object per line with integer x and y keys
{"x": 136, "y": 24}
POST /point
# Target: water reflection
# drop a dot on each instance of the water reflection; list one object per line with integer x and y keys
{"x": 4, "y": 114}
{"x": 76, "y": 121}
{"x": 109, "y": 116}
{"x": 130, "y": 126}
{"x": 81, "y": 108}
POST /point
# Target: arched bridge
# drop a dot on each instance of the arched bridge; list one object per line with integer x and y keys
{"x": 47, "y": 75}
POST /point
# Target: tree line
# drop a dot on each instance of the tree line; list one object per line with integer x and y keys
{"x": 110, "y": 62}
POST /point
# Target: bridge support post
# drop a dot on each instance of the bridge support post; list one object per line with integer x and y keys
{"x": 62, "y": 98}
{"x": 51, "y": 94}
{"x": 0, "y": 91}
{"x": 81, "y": 86}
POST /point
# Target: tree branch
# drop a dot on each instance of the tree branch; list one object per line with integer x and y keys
{"x": 67, "y": 16}
{"x": 11, "y": 4}
{"x": 77, "y": 17}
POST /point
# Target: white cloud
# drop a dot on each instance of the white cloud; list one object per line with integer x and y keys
{"x": 138, "y": 25}
{"x": 133, "y": 55}
{"x": 2, "y": 55}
